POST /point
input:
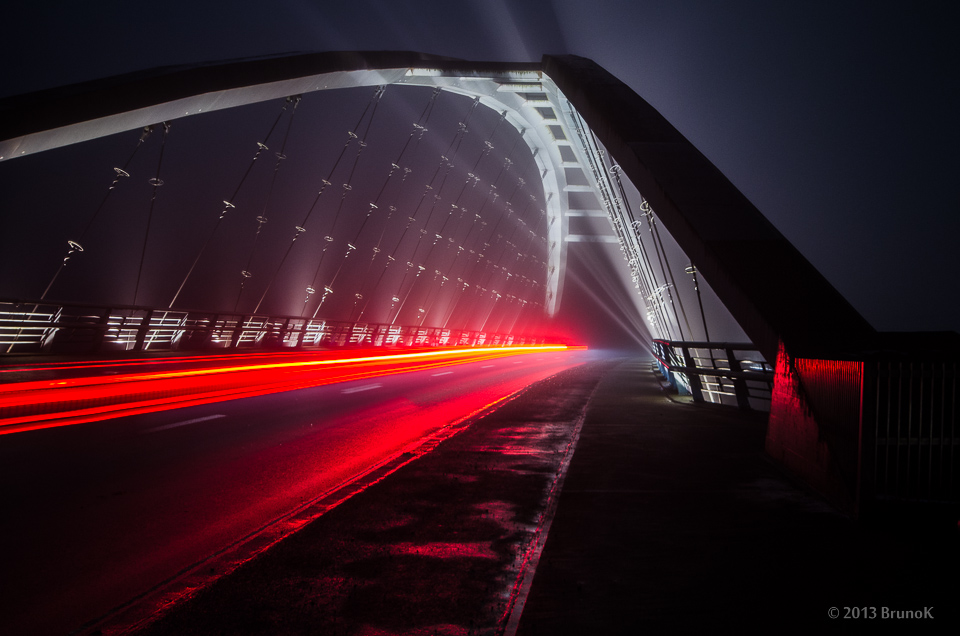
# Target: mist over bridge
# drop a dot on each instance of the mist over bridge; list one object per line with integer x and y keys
{"x": 425, "y": 206}
{"x": 581, "y": 189}
{"x": 447, "y": 202}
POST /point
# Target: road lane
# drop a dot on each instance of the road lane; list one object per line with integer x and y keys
{"x": 36, "y": 400}
{"x": 195, "y": 420}
{"x": 103, "y": 511}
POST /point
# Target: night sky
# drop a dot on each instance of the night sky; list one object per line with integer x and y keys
{"x": 836, "y": 119}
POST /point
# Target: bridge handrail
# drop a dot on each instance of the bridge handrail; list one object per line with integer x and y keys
{"x": 32, "y": 327}
{"x": 675, "y": 357}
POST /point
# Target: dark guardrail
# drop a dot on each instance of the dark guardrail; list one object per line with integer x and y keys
{"x": 34, "y": 328}
{"x": 721, "y": 372}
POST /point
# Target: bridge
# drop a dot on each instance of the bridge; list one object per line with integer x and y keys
{"x": 300, "y": 205}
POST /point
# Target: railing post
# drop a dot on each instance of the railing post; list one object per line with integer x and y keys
{"x": 237, "y": 332}
{"x": 302, "y": 334}
{"x": 142, "y": 331}
{"x": 870, "y": 414}
{"x": 283, "y": 331}
{"x": 46, "y": 342}
{"x": 176, "y": 339}
{"x": 696, "y": 389}
{"x": 739, "y": 384}
{"x": 100, "y": 331}
{"x": 300, "y": 329}
{"x": 207, "y": 331}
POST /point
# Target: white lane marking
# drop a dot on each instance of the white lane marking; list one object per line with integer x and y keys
{"x": 518, "y": 361}
{"x": 487, "y": 366}
{"x": 365, "y": 387}
{"x": 444, "y": 373}
{"x": 197, "y": 420}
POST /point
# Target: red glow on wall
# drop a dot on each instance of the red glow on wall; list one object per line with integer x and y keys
{"x": 814, "y": 422}
{"x": 40, "y": 404}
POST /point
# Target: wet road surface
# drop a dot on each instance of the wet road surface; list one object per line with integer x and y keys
{"x": 98, "y": 513}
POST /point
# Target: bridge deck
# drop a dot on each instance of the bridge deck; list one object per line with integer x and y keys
{"x": 668, "y": 517}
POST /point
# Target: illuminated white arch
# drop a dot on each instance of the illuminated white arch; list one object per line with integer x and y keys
{"x": 530, "y": 100}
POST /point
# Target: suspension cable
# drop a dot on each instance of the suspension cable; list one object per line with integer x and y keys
{"x": 452, "y": 150}
{"x": 692, "y": 269}
{"x": 156, "y": 182}
{"x": 302, "y": 227}
{"x": 228, "y": 204}
{"x": 75, "y": 246}
{"x": 444, "y": 162}
{"x": 347, "y": 187}
{"x": 658, "y": 246}
{"x": 262, "y": 218}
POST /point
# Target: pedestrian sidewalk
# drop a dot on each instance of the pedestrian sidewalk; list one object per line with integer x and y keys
{"x": 672, "y": 520}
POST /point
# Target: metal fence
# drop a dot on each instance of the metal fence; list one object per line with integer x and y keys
{"x": 718, "y": 372}
{"x": 911, "y": 431}
{"x": 29, "y": 328}
{"x": 890, "y": 419}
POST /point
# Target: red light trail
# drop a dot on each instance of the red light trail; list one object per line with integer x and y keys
{"x": 39, "y": 404}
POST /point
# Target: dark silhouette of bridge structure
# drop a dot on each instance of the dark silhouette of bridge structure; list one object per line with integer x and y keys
{"x": 450, "y": 209}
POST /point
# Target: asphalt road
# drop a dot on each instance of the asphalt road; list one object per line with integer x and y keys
{"x": 96, "y": 514}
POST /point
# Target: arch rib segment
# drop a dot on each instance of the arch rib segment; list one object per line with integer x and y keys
{"x": 43, "y": 121}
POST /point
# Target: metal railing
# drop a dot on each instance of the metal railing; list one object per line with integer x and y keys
{"x": 714, "y": 372}
{"x": 32, "y": 328}
{"x": 912, "y": 430}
